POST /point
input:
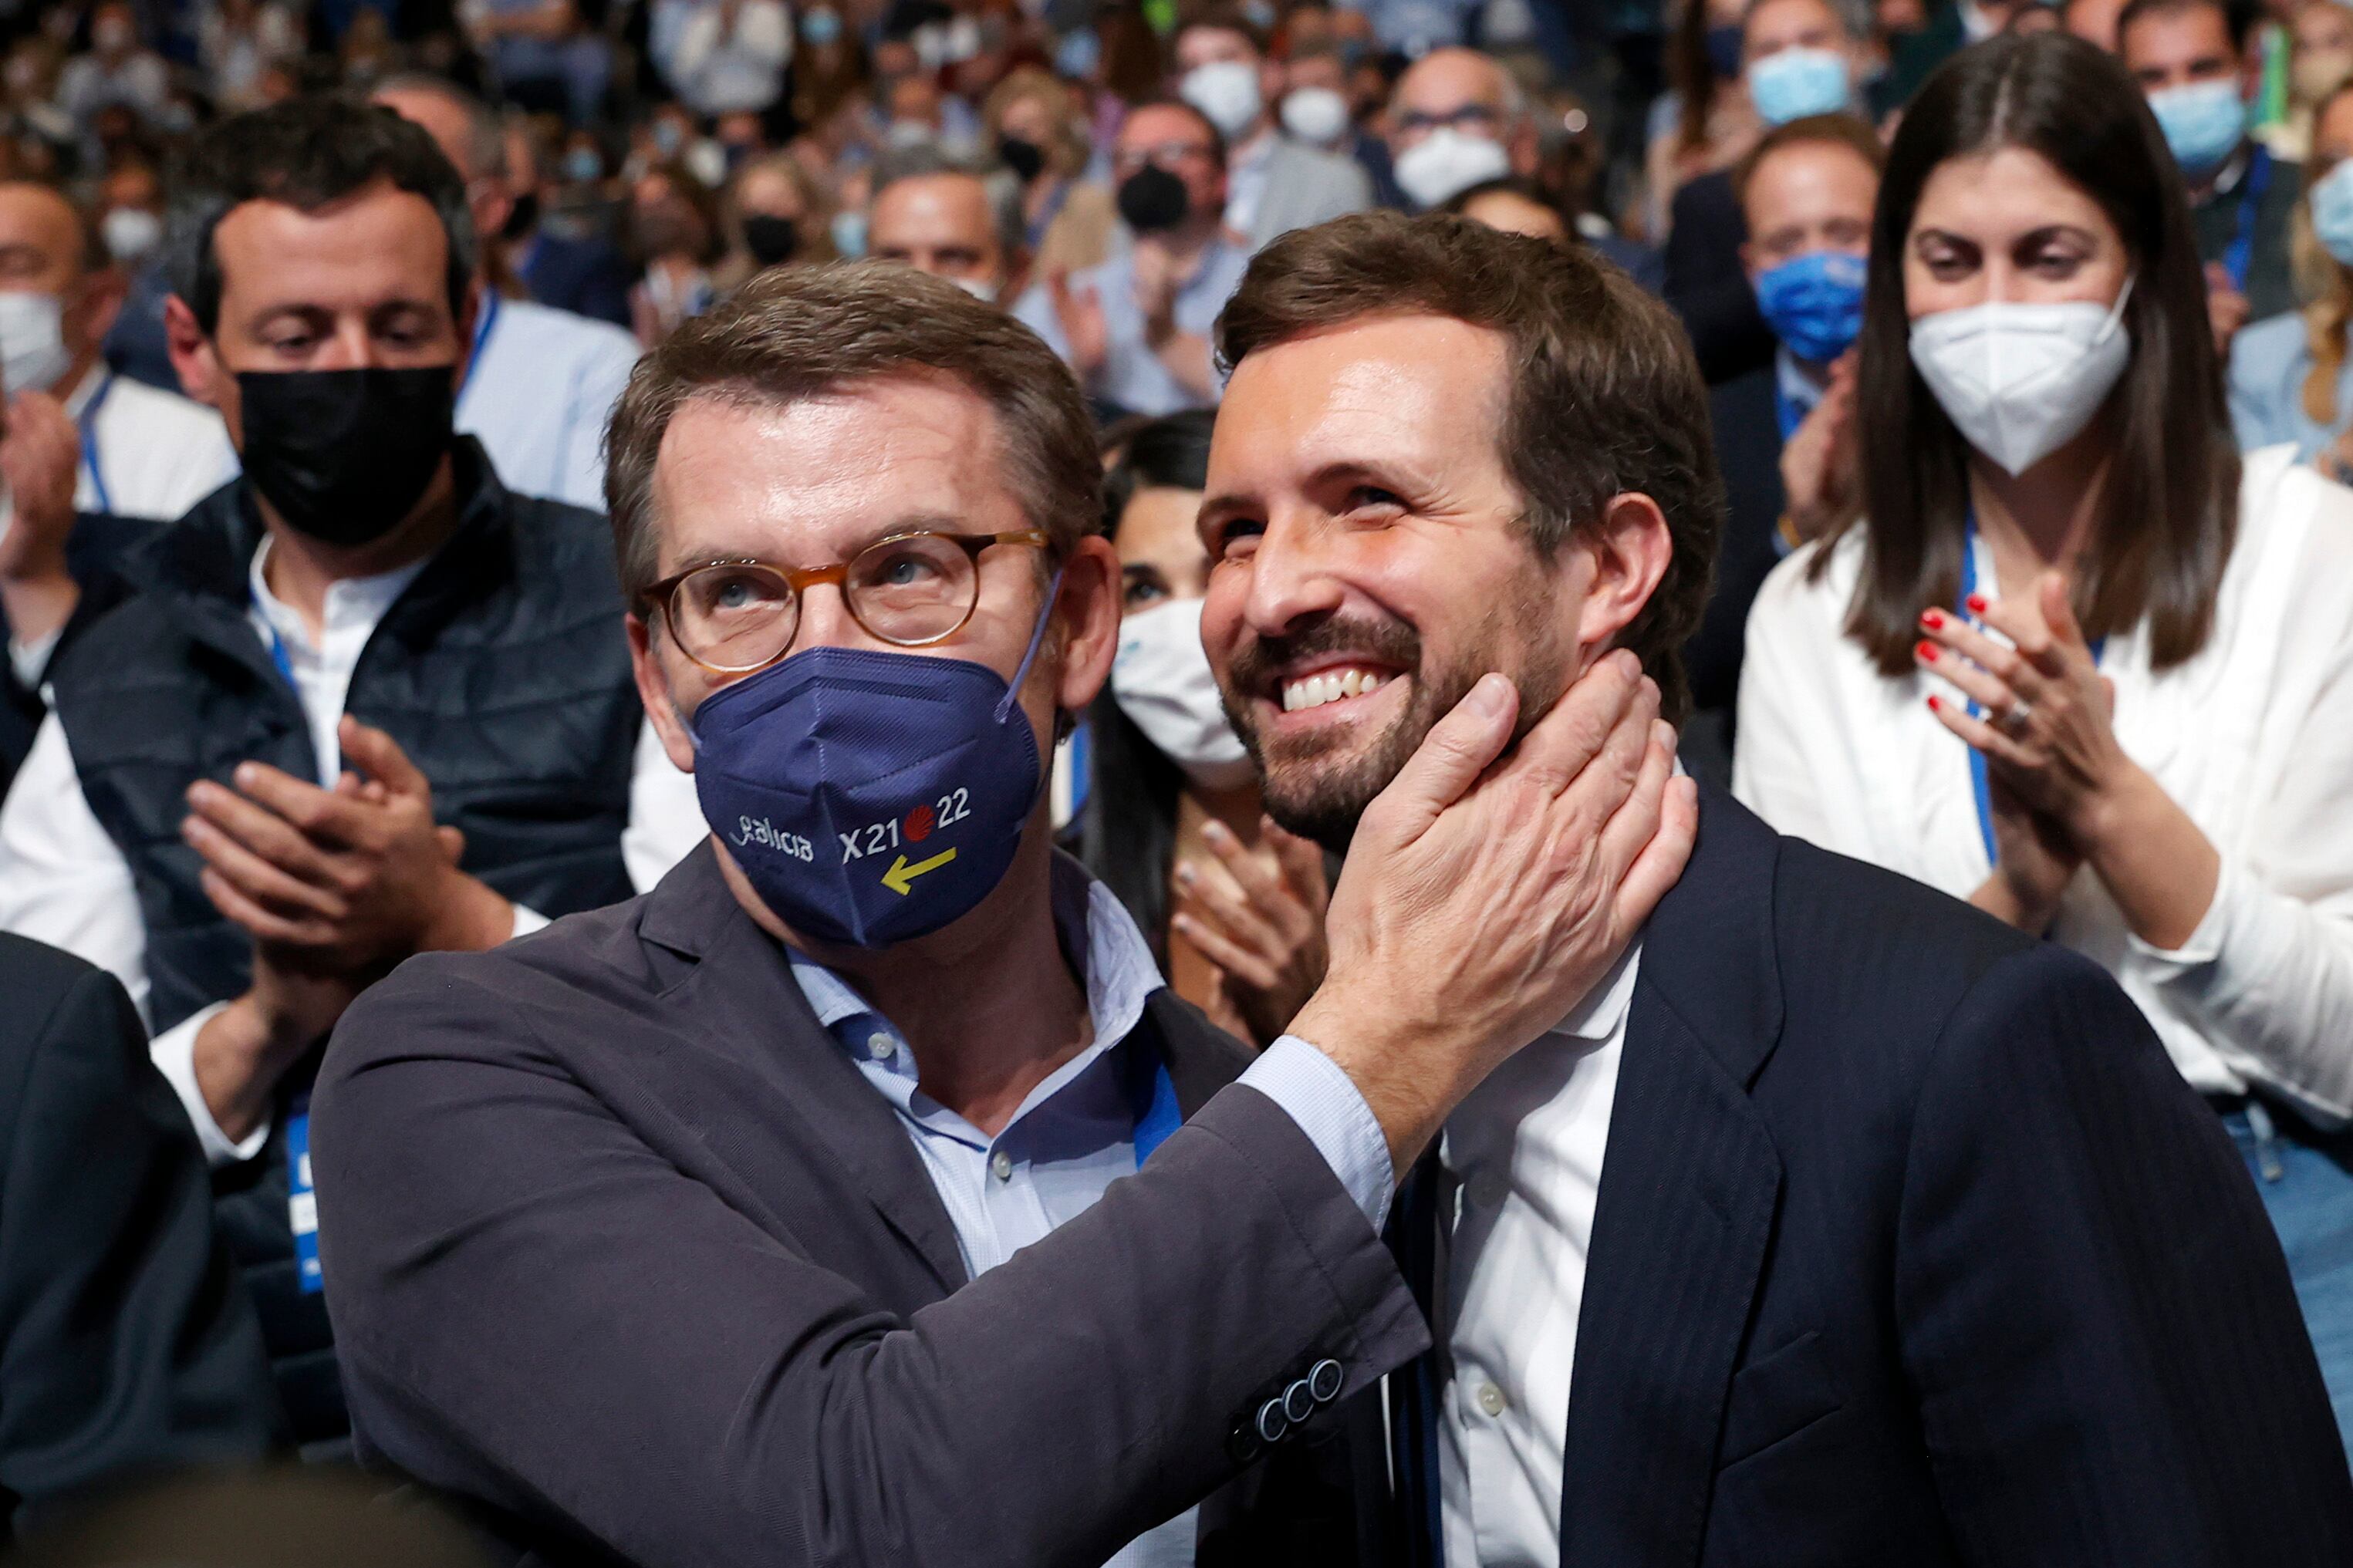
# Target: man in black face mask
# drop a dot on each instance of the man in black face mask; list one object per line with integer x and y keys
{"x": 1136, "y": 329}
{"x": 360, "y": 704}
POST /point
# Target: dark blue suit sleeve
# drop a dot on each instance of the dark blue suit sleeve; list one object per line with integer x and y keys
{"x": 537, "y": 1309}
{"x": 127, "y": 1343}
{"x": 2110, "y": 1362}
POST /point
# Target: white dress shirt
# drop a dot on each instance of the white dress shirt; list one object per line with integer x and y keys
{"x": 2252, "y": 738}
{"x": 1523, "y": 1155}
{"x": 145, "y": 452}
{"x": 542, "y": 384}
{"x": 718, "y": 70}
{"x": 63, "y": 880}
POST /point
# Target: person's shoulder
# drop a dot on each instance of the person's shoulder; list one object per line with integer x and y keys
{"x": 37, "y": 977}
{"x": 1293, "y": 157}
{"x": 1806, "y": 593}
{"x": 2277, "y": 350}
{"x": 546, "y": 330}
{"x": 154, "y": 413}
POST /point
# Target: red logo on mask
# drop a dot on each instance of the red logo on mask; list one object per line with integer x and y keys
{"x": 919, "y": 824}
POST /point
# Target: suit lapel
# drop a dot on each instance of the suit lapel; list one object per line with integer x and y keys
{"x": 1690, "y": 1186}
{"x": 748, "y": 1009}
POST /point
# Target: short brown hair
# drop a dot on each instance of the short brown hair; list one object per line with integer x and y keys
{"x": 1831, "y": 129}
{"x": 798, "y": 332}
{"x": 1604, "y": 399}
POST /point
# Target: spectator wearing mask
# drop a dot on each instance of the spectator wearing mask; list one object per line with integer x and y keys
{"x": 144, "y": 452}
{"x": 264, "y": 780}
{"x": 1457, "y": 120}
{"x": 582, "y": 272}
{"x": 1136, "y": 329}
{"x": 1705, "y": 124}
{"x": 2319, "y": 61}
{"x": 937, "y": 216}
{"x": 1038, "y": 129}
{"x": 1172, "y": 823}
{"x": 543, "y": 54}
{"x": 238, "y": 43}
{"x": 540, "y": 383}
{"x": 1802, "y": 57}
{"x": 129, "y": 207}
{"x": 775, "y": 216}
{"x": 2290, "y": 381}
{"x": 2191, "y": 59}
{"x": 723, "y": 57}
{"x": 1273, "y": 182}
{"x": 2077, "y": 663}
{"x": 117, "y": 72}
{"x": 674, "y": 230}
{"x": 127, "y": 1346}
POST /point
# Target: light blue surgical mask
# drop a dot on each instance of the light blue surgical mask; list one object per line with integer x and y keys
{"x": 849, "y": 231}
{"x": 2332, "y": 212}
{"x": 1795, "y": 83}
{"x": 821, "y": 26}
{"x": 2203, "y": 121}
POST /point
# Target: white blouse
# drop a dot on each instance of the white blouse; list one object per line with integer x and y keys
{"x": 2252, "y": 738}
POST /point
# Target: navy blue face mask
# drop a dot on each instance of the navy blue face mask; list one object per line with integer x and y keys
{"x": 871, "y": 798}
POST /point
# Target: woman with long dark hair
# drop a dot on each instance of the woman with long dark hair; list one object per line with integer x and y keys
{"x": 2076, "y": 663}
{"x": 1233, "y": 904}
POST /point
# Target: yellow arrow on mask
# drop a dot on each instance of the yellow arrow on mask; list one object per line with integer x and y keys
{"x": 900, "y": 878}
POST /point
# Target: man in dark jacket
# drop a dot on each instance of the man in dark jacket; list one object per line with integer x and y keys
{"x": 126, "y": 1344}
{"x": 360, "y": 703}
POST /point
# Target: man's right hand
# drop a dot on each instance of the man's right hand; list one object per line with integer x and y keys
{"x": 246, "y": 1047}
{"x": 40, "y": 458}
{"x": 1482, "y": 899}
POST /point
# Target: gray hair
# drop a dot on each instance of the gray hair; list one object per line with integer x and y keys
{"x": 486, "y": 133}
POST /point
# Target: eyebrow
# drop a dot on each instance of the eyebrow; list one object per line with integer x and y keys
{"x": 907, "y": 522}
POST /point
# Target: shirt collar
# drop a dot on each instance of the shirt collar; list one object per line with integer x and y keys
{"x": 1795, "y": 385}
{"x": 357, "y": 600}
{"x": 86, "y": 389}
{"x": 1599, "y": 1016}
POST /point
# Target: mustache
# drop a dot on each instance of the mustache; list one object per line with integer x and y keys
{"x": 1256, "y": 662}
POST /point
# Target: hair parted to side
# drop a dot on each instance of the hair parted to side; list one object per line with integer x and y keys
{"x": 799, "y": 332}
{"x": 1604, "y": 398}
{"x": 307, "y": 152}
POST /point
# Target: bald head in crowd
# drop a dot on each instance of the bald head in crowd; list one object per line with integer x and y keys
{"x": 1458, "y": 120}
{"x": 50, "y": 253}
{"x": 944, "y": 221}
{"x": 470, "y": 135}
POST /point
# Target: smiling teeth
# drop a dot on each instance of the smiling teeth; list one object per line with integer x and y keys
{"x": 1330, "y": 686}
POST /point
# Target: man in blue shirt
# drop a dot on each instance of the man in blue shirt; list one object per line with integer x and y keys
{"x": 791, "y": 1213}
{"x": 1136, "y": 329}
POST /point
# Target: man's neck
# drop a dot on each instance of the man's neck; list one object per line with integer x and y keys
{"x": 300, "y": 569}
{"x": 987, "y": 1004}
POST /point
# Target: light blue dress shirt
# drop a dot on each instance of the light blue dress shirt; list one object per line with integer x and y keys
{"x": 2269, "y": 362}
{"x": 1132, "y": 376}
{"x": 1074, "y": 1134}
{"x": 541, "y": 386}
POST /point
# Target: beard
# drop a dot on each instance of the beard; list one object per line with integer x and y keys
{"x": 1318, "y": 786}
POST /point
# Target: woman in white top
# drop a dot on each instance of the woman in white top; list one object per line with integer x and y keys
{"x": 2160, "y": 772}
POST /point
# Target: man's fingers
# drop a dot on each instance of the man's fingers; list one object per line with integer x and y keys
{"x": 1458, "y": 749}
{"x": 1635, "y": 821}
{"x": 1557, "y": 748}
{"x": 257, "y": 922}
{"x": 1661, "y": 862}
{"x": 261, "y": 830}
{"x": 379, "y": 756}
{"x": 453, "y": 844}
{"x": 268, "y": 885}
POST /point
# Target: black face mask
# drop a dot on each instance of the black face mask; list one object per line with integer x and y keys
{"x": 343, "y": 454}
{"x": 1153, "y": 201}
{"x": 1026, "y": 159}
{"x": 769, "y": 238}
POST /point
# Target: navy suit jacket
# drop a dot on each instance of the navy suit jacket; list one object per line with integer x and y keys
{"x": 1911, "y": 1248}
{"x": 623, "y": 1251}
{"x": 585, "y": 276}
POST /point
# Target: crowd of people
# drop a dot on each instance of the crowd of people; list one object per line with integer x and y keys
{"x": 681, "y": 676}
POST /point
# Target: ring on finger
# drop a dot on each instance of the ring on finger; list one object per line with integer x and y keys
{"x": 2017, "y": 716}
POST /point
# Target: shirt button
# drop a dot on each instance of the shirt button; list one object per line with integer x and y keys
{"x": 878, "y": 1046}
{"x": 1000, "y": 1165}
{"x": 1491, "y": 1399}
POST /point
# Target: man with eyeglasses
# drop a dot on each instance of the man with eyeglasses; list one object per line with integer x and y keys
{"x": 1136, "y": 329}
{"x": 1457, "y": 120}
{"x": 364, "y": 702}
{"x": 860, "y": 1195}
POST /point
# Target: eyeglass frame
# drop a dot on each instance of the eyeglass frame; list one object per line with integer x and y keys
{"x": 657, "y": 595}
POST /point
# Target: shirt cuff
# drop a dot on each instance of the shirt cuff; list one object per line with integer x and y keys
{"x": 526, "y": 921}
{"x": 31, "y": 660}
{"x": 2205, "y": 943}
{"x": 1316, "y": 1094}
{"x": 174, "y": 1055}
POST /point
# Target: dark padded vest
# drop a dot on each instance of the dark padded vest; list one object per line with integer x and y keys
{"x": 502, "y": 671}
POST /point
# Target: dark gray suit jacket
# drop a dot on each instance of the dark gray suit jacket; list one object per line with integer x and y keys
{"x": 621, "y": 1248}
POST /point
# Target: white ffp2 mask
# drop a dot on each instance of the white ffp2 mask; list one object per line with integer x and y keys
{"x": 33, "y": 354}
{"x": 1447, "y": 163}
{"x": 1162, "y": 681}
{"x": 2020, "y": 381}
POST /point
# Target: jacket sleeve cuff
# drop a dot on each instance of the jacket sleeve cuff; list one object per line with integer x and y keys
{"x": 1315, "y": 1093}
{"x": 174, "y": 1055}
{"x": 526, "y": 921}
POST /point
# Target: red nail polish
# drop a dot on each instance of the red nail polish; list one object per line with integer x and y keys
{"x": 1936, "y": 705}
{"x": 1932, "y": 619}
{"x": 1976, "y": 604}
{"x": 1927, "y": 652}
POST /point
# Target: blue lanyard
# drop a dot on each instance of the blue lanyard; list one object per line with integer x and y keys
{"x": 89, "y": 443}
{"x": 2242, "y": 254}
{"x": 1158, "y": 1117}
{"x": 481, "y": 336}
{"x": 1791, "y": 416}
{"x": 1980, "y": 785}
